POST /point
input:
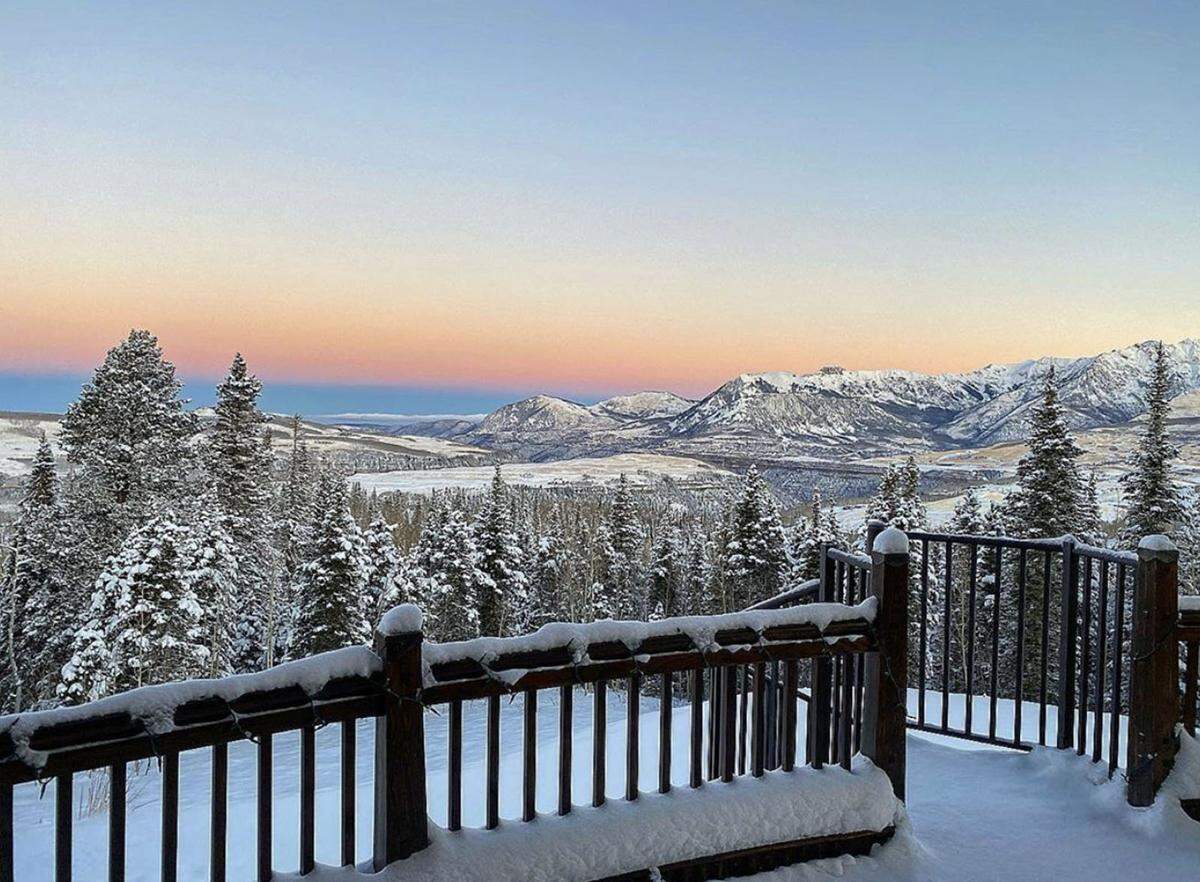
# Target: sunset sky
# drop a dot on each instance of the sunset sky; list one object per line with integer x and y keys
{"x": 437, "y": 207}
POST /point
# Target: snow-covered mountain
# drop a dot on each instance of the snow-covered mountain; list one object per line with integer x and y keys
{"x": 836, "y": 410}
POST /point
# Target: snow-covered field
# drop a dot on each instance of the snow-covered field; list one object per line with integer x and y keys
{"x": 639, "y": 468}
{"x": 973, "y": 812}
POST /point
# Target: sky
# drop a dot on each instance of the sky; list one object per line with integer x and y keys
{"x": 438, "y": 207}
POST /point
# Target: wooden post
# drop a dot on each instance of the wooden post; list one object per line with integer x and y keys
{"x": 1154, "y": 673}
{"x": 885, "y": 710}
{"x": 1068, "y": 635}
{"x": 401, "y": 823}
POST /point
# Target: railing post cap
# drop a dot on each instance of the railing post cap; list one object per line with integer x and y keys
{"x": 1157, "y": 547}
{"x": 403, "y": 619}
{"x": 891, "y": 541}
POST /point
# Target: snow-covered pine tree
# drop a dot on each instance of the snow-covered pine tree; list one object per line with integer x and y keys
{"x": 808, "y": 534}
{"x": 1189, "y": 545}
{"x": 619, "y": 593}
{"x": 330, "y": 591}
{"x": 667, "y": 574}
{"x": 146, "y": 622}
{"x": 239, "y": 464}
{"x": 385, "y": 570}
{"x": 128, "y": 433}
{"x": 31, "y": 591}
{"x": 1046, "y": 501}
{"x": 210, "y": 565}
{"x": 447, "y": 576}
{"x": 756, "y": 560}
{"x": 1149, "y": 492}
{"x": 1090, "y": 519}
{"x": 503, "y": 595}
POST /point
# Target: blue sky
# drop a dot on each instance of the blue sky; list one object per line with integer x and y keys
{"x": 492, "y": 199}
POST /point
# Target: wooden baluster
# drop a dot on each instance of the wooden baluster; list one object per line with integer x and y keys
{"x": 170, "y": 817}
{"x": 632, "y": 718}
{"x": 63, "y": 815}
{"x": 790, "y": 670}
{"x": 493, "y": 763}
{"x": 454, "y": 772}
{"x": 665, "y": 699}
{"x": 349, "y": 754}
{"x": 697, "y": 731}
{"x": 1154, "y": 672}
{"x": 729, "y": 731}
{"x": 6, "y": 832}
{"x": 846, "y": 723}
{"x": 308, "y": 799}
{"x": 566, "y": 735}
{"x": 759, "y": 735}
{"x": 599, "y": 736}
{"x": 1191, "y": 674}
{"x": 529, "y": 754}
{"x": 116, "y": 822}
{"x": 218, "y": 813}
{"x": 264, "y": 808}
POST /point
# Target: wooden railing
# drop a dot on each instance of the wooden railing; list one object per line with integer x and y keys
{"x": 851, "y": 648}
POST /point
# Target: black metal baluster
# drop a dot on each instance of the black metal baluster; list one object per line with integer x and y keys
{"x": 64, "y": 798}
{"x": 632, "y": 719}
{"x": 923, "y": 629}
{"x": 1101, "y": 640}
{"x": 1019, "y": 695}
{"x": 758, "y": 741}
{"x": 790, "y": 671}
{"x": 946, "y": 660}
{"x": 1045, "y": 661}
{"x": 1085, "y": 658}
{"x": 6, "y": 832}
{"x": 170, "y": 817}
{"x": 970, "y": 697}
{"x": 264, "y": 808}
{"x": 1114, "y": 737}
{"x": 697, "y": 732}
{"x": 997, "y": 593}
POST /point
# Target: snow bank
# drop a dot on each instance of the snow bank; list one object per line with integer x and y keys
{"x": 701, "y": 630}
{"x": 154, "y": 706}
{"x": 621, "y": 837}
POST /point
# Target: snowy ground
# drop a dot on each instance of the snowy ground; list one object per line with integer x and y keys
{"x": 974, "y": 813}
{"x": 639, "y": 468}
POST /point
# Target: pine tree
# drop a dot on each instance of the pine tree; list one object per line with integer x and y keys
{"x": 503, "y": 594}
{"x": 808, "y": 535}
{"x": 1149, "y": 493}
{"x": 128, "y": 433}
{"x": 1046, "y": 501}
{"x": 667, "y": 574}
{"x": 239, "y": 463}
{"x": 755, "y": 556}
{"x": 384, "y": 572}
{"x": 211, "y": 572}
{"x": 331, "y": 598}
{"x": 31, "y": 591}
{"x": 146, "y": 621}
{"x": 619, "y": 594}
{"x": 1090, "y": 520}
{"x": 446, "y": 576}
